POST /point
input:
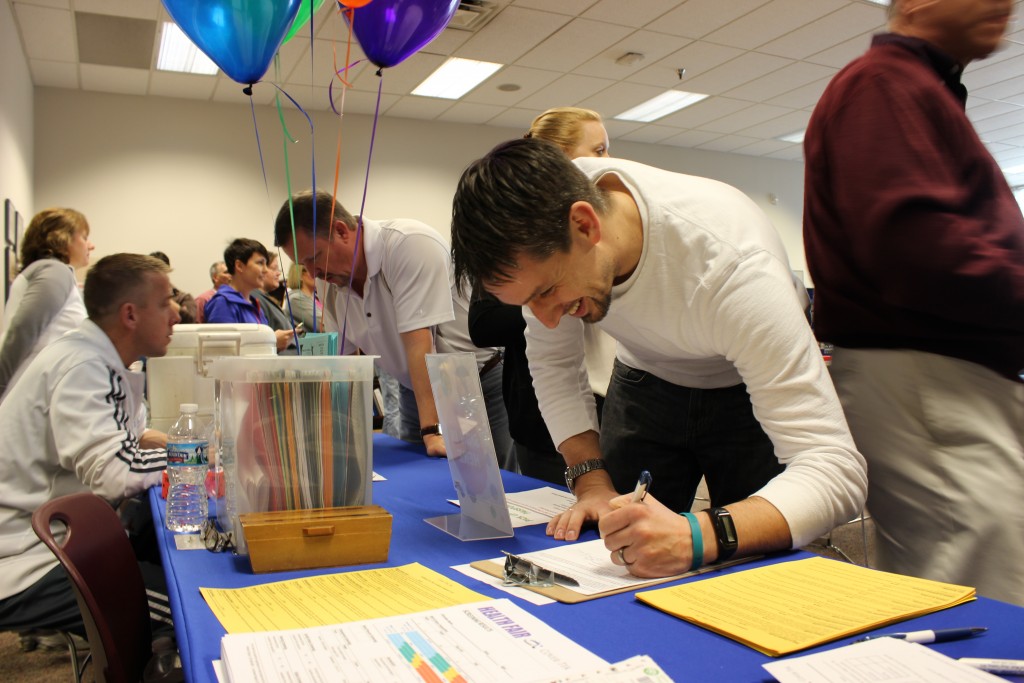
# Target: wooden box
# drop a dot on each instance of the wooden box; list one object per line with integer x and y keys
{"x": 324, "y": 537}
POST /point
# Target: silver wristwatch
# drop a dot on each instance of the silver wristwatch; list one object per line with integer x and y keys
{"x": 574, "y": 472}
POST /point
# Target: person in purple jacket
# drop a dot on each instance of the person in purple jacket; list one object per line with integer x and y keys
{"x": 916, "y": 247}
{"x": 246, "y": 260}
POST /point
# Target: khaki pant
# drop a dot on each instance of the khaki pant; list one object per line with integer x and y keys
{"x": 943, "y": 442}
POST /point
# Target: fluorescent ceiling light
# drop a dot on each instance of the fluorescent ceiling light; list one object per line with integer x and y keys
{"x": 796, "y": 137}
{"x": 662, "y": 105}
{"x": 455, "y": 78}
{"x": 1019, "y": 168}
{"x": 178, "y": 53}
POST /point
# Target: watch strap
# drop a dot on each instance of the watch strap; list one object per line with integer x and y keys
{"x": 430, "y": 429}
{"x": 725, "y": 532}
{"x": 574, "y": 472}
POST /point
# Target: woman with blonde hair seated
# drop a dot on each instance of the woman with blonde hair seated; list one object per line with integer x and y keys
{"x": 45, "y": 301}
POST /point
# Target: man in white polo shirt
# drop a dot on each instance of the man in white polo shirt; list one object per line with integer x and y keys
{"x": 388, "y": 291}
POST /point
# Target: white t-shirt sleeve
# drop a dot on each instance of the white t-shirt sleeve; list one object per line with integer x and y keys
{"x": 560, "y": 377}
{"x": 753, "y": 318}
{"x": 416, "y": 271}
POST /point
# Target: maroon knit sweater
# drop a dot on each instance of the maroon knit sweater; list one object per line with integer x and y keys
{"x": 913, "y": 237}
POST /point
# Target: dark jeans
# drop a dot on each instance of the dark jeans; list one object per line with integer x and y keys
{"x": 680, "y": 434}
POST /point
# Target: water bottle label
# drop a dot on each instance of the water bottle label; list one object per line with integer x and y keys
{"x": 187, "y": 453}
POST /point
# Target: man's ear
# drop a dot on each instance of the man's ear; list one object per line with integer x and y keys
{"x": 584, "y": 223}
{"x": 128, "y": 315}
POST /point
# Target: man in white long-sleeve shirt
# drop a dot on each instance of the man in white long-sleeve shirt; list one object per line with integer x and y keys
{"x": 690, "y": 278}
{"x": 76, "y": 422}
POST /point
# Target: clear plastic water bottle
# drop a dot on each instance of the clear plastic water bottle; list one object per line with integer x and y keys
{"x": 187, "y": 449}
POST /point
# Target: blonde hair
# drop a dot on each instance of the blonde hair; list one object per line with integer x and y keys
{"x": 562, "y": 126}
{"x": 294, "y": 276}
{"x": 50, "y": 233}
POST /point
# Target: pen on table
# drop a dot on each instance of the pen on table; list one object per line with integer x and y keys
{"x": 995, "y": 666}
{"x": 642, "y": 483}
{"x": 939, "y": 635}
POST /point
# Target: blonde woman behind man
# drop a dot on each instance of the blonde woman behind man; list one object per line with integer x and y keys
{"x": 45, "y": 301}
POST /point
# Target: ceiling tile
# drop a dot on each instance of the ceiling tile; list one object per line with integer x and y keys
{"x": 528, "y": 80}
{"x": 775, "y": 19}
{"x": 114, "y": 79}
{"x": 574, "y": 44}
{"x": 305, "y": 67}
{"x": 727, "y": 143}
{"x": 616, "y": 129}
{"x": 651, "y": 133}
{"x": 517, "y": 119}
{"x": 843, "y": 53}
{"x": 59, "y": 4}
{"x": 572, "y": 8}
{"x": 47, "y": 33}
{"x": 511, "y": 34}
{"x": 633, "y": 13}
{"x": 53, "y": 74}
{"x": 422, "y": 108}
{"x": 398, "y": 80}
{"x": 565, "y": 91}
{"x": 992, "y": 73}
{"x": 619, "y": 97}
{"x": 690, "y": 138}
{"x": 447, "y": 42}
{"x": 115, "y": 41}
{"x": 784, "y": 80}
{"x": 697, "y": 18}
{"x": 704, "y": 111}
{"x": 1002, "y": 90}
{"x": 801, "y": 98}
{"x": 697, "y": 58}
{"x": 465, "y": 112}
{"x": 792, "y": 122}
{"x": 979, "y": 109}
{"x": 848, "y": 22}
{"x": 189, "y": 86}
{"x": 652, "y": 46}
{"x": 744, "y": 69}
{"x": 744, "y": 118}
{"x": 762, "y": 147}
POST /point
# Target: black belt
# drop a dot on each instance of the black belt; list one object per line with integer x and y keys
{"x": 491, "y": 363}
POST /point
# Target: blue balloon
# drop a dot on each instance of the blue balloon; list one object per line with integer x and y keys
{"x": 389, "y": 31}
{"x": 240, "y": 36}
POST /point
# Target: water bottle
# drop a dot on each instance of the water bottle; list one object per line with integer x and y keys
{"x": 187, "y": 448}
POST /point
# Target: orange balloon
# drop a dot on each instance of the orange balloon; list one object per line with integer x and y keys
{"x": 355, "y": 4}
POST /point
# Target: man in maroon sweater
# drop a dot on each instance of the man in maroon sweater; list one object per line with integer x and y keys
{"x": 916, "y": 247}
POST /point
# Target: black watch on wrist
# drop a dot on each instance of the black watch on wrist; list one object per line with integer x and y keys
{"x": 725, "y": 532}
{"x": 430, "y": 429}
{"x": 574, "y": 472}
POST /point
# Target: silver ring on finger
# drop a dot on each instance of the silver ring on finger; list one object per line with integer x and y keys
{"x": 622, "y": 556}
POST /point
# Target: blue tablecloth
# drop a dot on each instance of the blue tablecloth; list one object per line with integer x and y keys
{"x": 614, "y": 627}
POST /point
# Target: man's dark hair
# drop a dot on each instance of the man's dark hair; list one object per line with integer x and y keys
{"x": 160, "y": 255}
{"x": 302, "y": 205}
{"x": 515, "y": 201}
{"x": 242, "y": 250}
{"x": 118, "y": 278}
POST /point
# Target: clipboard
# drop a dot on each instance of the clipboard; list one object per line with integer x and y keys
{"x": 569, "y": 596}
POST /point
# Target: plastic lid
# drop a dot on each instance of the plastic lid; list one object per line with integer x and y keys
{"x": 189, "y": 408}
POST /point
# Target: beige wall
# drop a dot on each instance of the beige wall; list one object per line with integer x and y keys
{"x": 184, "y": 176}
{"x": 15, "y": 124}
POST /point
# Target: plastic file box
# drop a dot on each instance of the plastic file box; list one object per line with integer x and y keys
{"x": 295, "y": 434}
{"x": 181, "y": 375}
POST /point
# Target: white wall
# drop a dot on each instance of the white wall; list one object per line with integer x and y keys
{"x": 15, "y": 123}
{"x": 184, "y": 176}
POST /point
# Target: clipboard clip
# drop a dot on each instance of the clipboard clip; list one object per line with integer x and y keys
{"x": 522, "y": 572}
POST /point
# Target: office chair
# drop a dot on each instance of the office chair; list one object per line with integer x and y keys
{"x": 101, "y": 565}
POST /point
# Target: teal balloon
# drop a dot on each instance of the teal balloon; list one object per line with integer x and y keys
{"x": 240, "y": 36}
{"x": 302, "y": 17}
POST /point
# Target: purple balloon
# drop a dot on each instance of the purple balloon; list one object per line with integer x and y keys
{"x": 389, "y": 31}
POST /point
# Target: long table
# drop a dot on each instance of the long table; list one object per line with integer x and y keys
{"x": 614, "y": 627}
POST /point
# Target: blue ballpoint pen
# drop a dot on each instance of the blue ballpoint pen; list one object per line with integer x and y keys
{"x": 642, "y": 484}
{"x": 939, "y": 635}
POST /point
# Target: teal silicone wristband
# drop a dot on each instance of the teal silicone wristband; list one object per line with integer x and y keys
{"x": 698, "y": 540}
